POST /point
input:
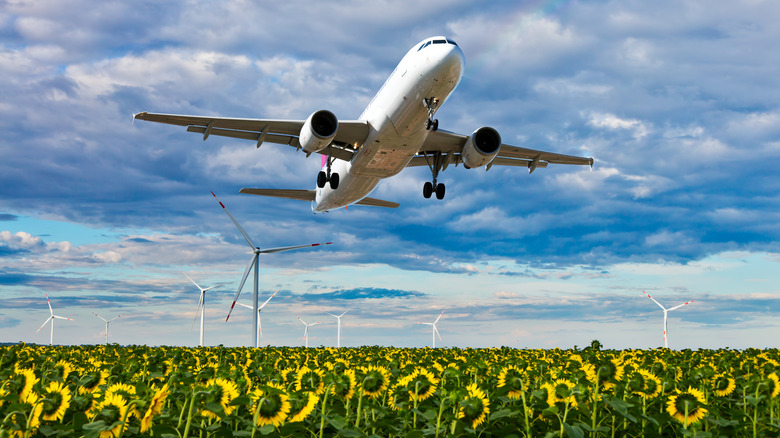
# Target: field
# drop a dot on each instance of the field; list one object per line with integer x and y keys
{"x": 105, "y": 391}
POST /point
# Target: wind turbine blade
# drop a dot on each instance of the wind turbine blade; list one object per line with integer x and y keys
{"x": 193, "y": 281}
{"x": 104, "y": 320}
{"x": 42, "y": 325}
{"x": 49, "y": 303}
{"x": 235, "y": 222}
{"x": 266, "y": 301}
{"x": 241, "y": 285}
{"x": 212, "y": 287}
{"x": 197, "y": 311}
{"x": 61, "y": 317}
{"x": 344, "y": 312}
{"x": 437, "y": 332}
{"x": 659, "y": 304}
{"x": 288, "y": 248}
{"x": 437, "y": 319}
{"x": 118, "y": 316}
{"x": 304, "y": 322}
{"x": 333, "y": 315}
{"x": 677, "y": 307}
{"x": 315, "y": 323}
{"x": 244, "y": 305}
{"x": 259, "y": 325}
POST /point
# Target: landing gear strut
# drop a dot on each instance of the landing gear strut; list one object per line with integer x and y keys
{"x": 431, "y": 103}
{"x": 435, "y": 164}
{"x": 326, "y": 176}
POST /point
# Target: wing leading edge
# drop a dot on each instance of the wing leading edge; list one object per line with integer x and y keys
{"x": 309, "y": 195}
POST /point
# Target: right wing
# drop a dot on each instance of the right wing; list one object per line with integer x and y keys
{"x": 286, "y": 132}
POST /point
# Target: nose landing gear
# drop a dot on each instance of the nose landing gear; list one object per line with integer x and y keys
{"x": 431, "y": 103}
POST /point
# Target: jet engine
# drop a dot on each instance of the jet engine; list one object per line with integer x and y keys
{"x": 318, "y": 131}
{"x": 481, "y": 148}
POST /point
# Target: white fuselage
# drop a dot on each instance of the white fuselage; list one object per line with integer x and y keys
{"x": 397, "y": 121}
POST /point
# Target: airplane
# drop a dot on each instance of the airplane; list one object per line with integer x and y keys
{"x": 396, "y": 130}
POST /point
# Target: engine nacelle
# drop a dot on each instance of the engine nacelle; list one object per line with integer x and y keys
{"x": 481, "y": 148}
{"x": 318, "y": 131}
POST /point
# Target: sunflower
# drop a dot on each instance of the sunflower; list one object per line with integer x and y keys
{"x": 474, "y": 409}
{"x": 62, "y": 369}
{"x": 514, "y": 380}
{"x": 605, "y": 374}
{"x": 221, "y": 391}
{"x": 560, "y": 392}
{"x": 645, "y": 384}
{"x": 422, "y": 384}
{"x": 111, "y": 411}
{"x": 301, "y": 405}
{"x": 376, "y": 381}
{"x": 155, "y": 407}
{"x": 687, "y": 407}
{"x": 91, "y": 382}
{"x": 308, "y": 379}
{"x": 127, "y": 392}
{"x": 26, "y": 379}
{"x": 271, "y": 407}
{"x": 56, "y": 401}
{"x": 723, "y": 385}
{"x": 344, "y": 385}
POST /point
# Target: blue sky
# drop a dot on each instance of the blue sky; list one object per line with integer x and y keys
{"x": 677, "y": 101}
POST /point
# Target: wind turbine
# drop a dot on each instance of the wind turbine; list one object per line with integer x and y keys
{"x": 256, "y": 264}
{"x": 435, "y": 331}
{"x": 338, "y": 339}
{"x": 106, "y": 321}
{"x": 306, "y": 330}
{"x": 201, "y": 304}
{"x": 51, "y": 318}
{"x": 666, "y": 311}
{"x": 259, "y": 322}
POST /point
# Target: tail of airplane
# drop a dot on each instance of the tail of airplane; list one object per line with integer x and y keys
{"x": 309, "y": 195}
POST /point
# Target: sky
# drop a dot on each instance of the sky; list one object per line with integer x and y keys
{"x": 677, "y": 102}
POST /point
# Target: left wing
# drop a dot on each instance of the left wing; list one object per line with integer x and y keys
{"x": 286, "y": 132}
{"x": 450, "y": 145}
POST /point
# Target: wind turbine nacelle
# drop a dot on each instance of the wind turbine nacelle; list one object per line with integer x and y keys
{"x": 318, "y": 131}
{"x": 481, "y": 147}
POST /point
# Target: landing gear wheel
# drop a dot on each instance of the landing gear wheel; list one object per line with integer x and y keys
{"x": 321, "y": 179}
{"x": 334, "y": 181}
{"x": 427, "y": 189}
{"x": 440, "y": 191}
{"x": 428, "y": 125}
{"x": 435, "y": 125}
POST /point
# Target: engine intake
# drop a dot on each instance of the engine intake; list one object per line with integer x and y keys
{"x": 481, "y": 148}
{"x": 318, "y": 131}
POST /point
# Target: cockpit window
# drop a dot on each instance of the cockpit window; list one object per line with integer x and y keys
{"x": 428, "y": 43}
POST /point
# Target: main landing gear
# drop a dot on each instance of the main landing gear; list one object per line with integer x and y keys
{"x": 435, "y": 164}
{"x": 431, "y": 103}
{"x": 326, "y": 176}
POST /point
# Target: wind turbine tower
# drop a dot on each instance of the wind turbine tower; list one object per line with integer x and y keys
{"x": 306, "y": 331}
{"x": 434, "y": 331}
{"x": 201, "y": 305}
{"x": 254, "y": 263}
{"x": 259, "y": 320}
{"x": 666, "y": 312}
{"x": 51, "y": 318}
{"x": 338, "y": 338}
{"x": 107, "y": 321}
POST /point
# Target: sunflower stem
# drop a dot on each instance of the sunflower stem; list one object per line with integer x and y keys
{"x": 416, "y": 390}
{"x": 322, "y": 409}
{"x": 189, "y": 415}
{"x": 359, "y": 406}
{"x": 525, "y": 409}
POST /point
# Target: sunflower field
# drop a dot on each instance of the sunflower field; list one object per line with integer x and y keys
{"x": 113, "y": 391}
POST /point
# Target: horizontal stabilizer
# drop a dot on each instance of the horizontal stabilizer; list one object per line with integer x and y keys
{"x": 308, "y": 195}
{"x": 377, "y": 203}
{"x": 300, "y": 195}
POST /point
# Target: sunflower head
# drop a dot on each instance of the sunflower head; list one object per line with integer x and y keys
{"x": 301, "y": 405}
{"x": 270, "y": 405}
{"x": 110, "y": 411}
{"x": 56, "y": 400}
{"x": 22, "y": 383}
{"x": 422, "y": 384}
{"x": 222, "y": 392}
{"x": 154, "y": 408}
{"x": 474, "y": 408}
{"x": 687, "y": 407}
{"x": 561, "y": 391}
{"x": 723, "y": 385}
{"x": 308, "y": 379}
{"x": 344, "y": 385}
{"x": 375, "y": 381}
{"x": 514, "y": 380}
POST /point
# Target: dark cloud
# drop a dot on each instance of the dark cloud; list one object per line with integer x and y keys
{"x": 5, "y": 217}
